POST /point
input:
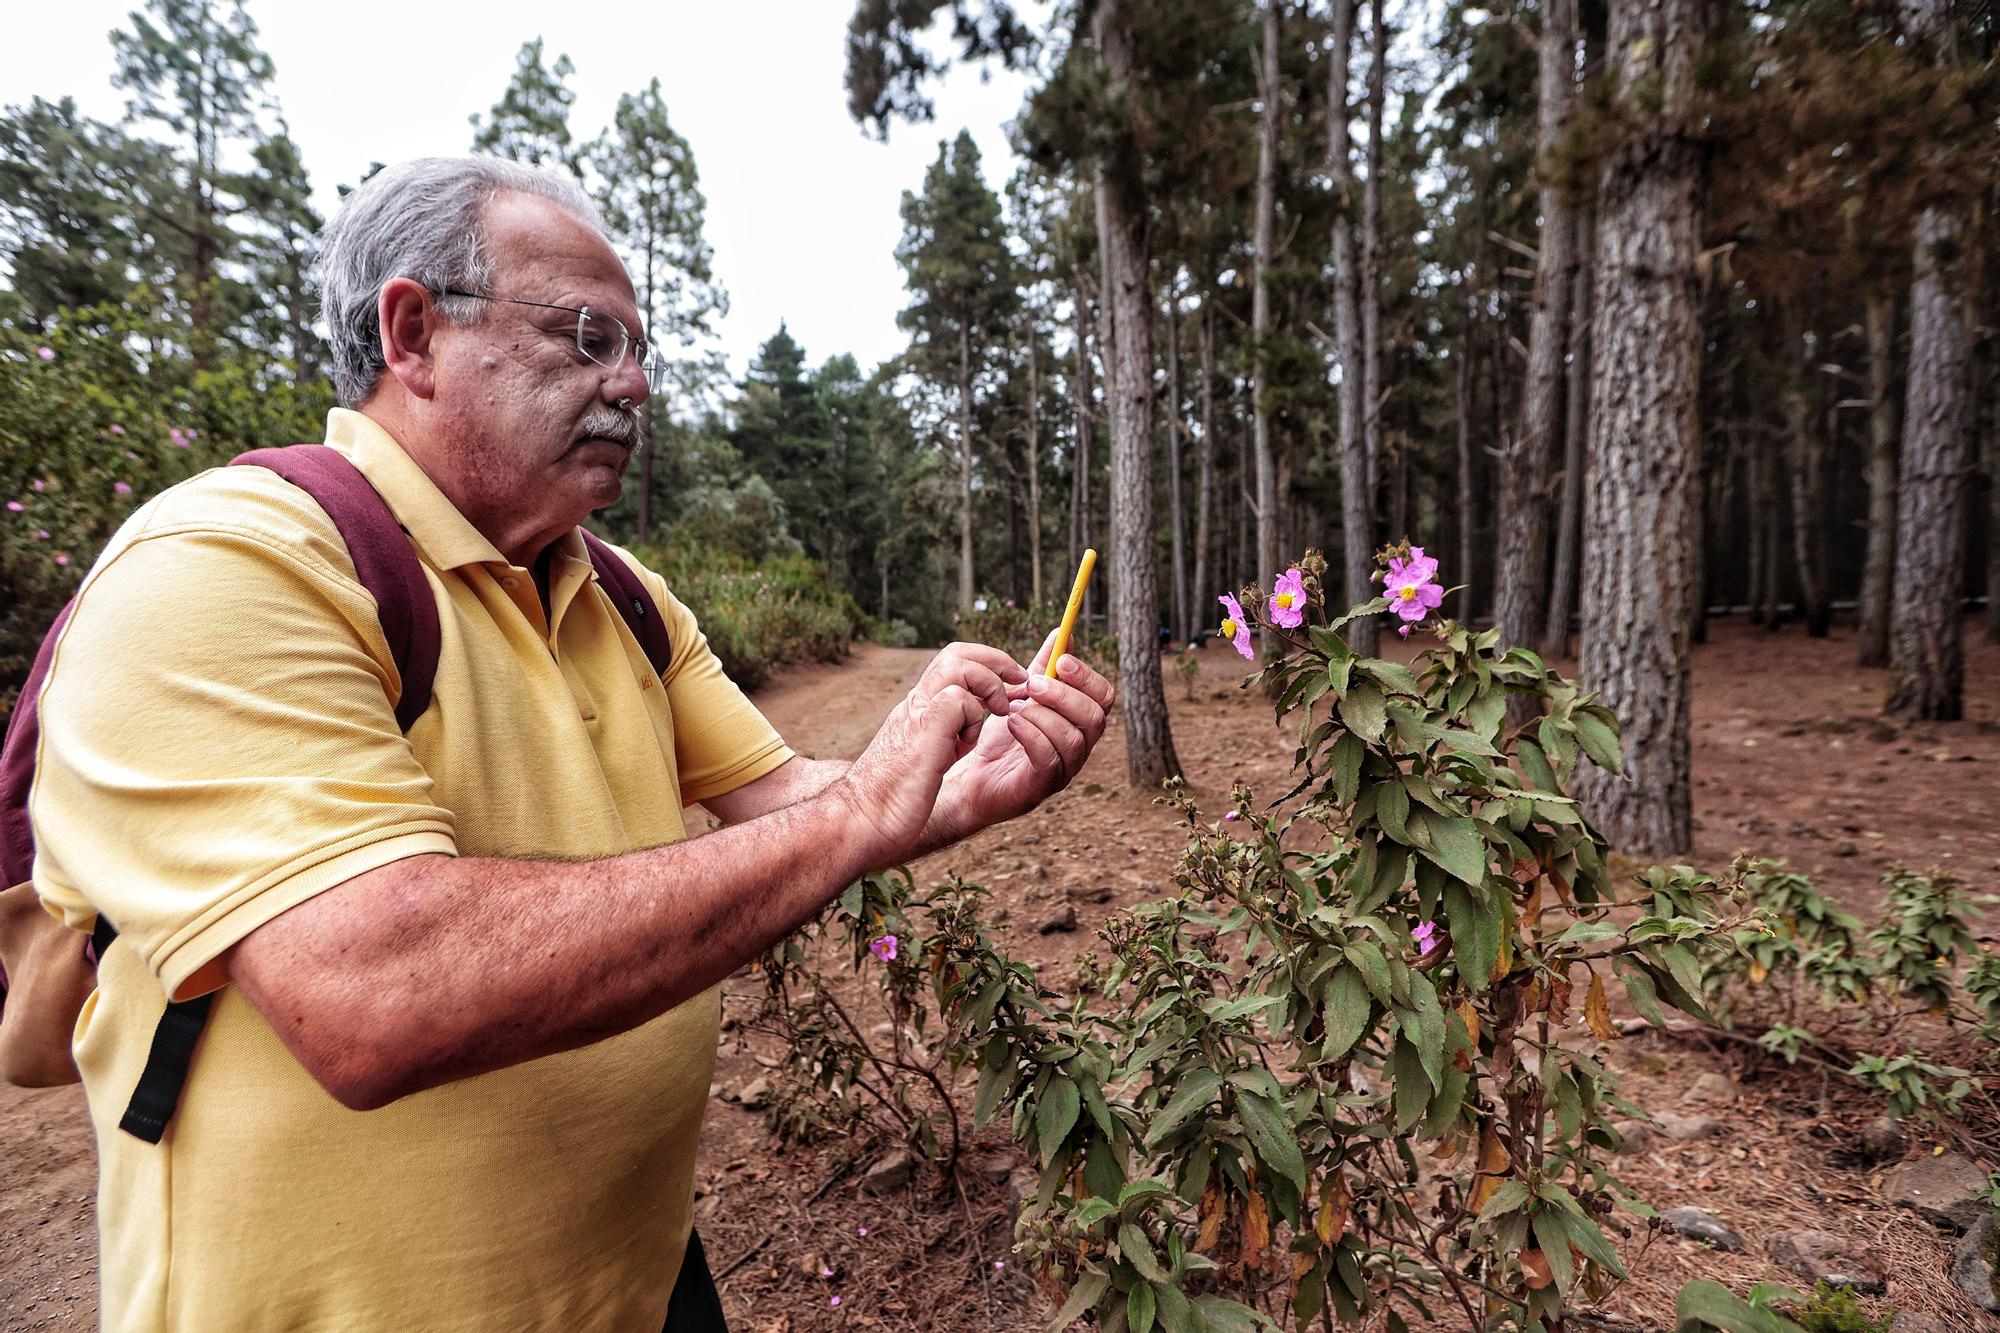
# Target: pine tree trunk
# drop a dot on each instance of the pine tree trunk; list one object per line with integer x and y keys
{"x": 1122, "y": 212}
{"x": 1805, "y": 464}
{"x": 1468, "y": 516}
{"x": 1204, "y": 494}
{"x": 965, "y": 579}
{"x": 1081, "y": 395}
{"x": 1176, "y": 508}
{"x": 1371, "y": 254}
{"x": 1034, "y": 472}
{"x": 1642, "y": 520}
{"x": 1926, "y": 655}
{"x": 1993, "y": 505}
{"x": 1357, "y": 500}
{"x": 1576, "y": 463}
{"x": 1260, "y": 311}
{"x": 1880, "y": 564}
{"x": 1759, "y": 592}
{"x": 1519, "y": 608}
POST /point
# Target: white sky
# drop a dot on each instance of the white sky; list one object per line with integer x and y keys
{"x": 802, "y": 206}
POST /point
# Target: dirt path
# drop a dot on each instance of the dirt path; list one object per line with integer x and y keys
{"x": 1790, "y": 761}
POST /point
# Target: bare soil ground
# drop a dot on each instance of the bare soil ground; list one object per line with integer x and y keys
{"x": 1790, "y": 760}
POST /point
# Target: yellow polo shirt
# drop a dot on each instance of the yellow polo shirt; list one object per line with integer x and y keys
{"x": 219, "y": 744}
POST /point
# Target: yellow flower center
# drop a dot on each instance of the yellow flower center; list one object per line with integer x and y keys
{"x": 1229, "y": 629}
{"x": 1283, "y": 601}
{"x": 1408, "y": 594}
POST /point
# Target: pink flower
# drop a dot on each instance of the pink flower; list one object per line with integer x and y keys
{"x": 117, "y": 429}
{"x": 122, "y": 487}
{"x": 15, "y": 506}
{"x": 40, "y": 484}
{"x": 835, "y": 1302}
{"x": 861, "y": 1231}
{"x": 41, "y": 534}
{"x": 1426, "y": 937}
{"x": 1288, "y": 599}
{"x": 1231, "y": 817}
{"x": 884, "y": 949}
{"x": 61, "y": 559}
{"x": 1410, "y": 588}
{"x": 46, "y": 353}
{"x": 999, "y": 1263}
{"x": 1233, "y": 627}
{"x": 824, "y": 1271}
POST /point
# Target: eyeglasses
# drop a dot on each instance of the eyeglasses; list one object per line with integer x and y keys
{"x": 601, "y": 337}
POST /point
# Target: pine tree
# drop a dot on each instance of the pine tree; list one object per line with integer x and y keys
{"x": 960, "y": 274}
{"x": 530, "y": 122}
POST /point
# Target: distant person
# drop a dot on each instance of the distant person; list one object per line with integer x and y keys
{"x": 466, "y": 975}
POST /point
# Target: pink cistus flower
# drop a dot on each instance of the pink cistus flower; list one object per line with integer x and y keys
{"x": 122, "y": 487}
{"x": 181, "y": 439}
{"x": 1288, "y": 599}
{"x": 1411, "y": 589}
{"x": 61, "y": 559}
{"x": 1234, "y": 628}
{"x": 883, "y": 948}
{"x": 117, "y": 429}
{"x": 15, "y": 506}
{"x": 1231, "y": 817}
{"x": 46, "y": 353}
{"x": 1426, "y": 937}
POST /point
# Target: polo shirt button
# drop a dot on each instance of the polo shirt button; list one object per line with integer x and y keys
{"x": 510, "y": 582}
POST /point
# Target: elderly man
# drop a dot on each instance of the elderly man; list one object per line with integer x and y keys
{"x": 467, "y": 975}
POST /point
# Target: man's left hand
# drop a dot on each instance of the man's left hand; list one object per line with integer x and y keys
{"x": 1022, "y": 759}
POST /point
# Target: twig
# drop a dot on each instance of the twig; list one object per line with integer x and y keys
{"x": 752, "y": 1252}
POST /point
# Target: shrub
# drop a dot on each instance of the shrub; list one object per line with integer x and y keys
{"x": 760, "y": 616}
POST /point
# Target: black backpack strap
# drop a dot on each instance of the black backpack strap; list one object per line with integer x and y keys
{"x": 159, "y": 1091}
{"x": 628, "y": 593}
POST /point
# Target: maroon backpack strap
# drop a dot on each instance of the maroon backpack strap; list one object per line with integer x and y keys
{"x": 628, "y": 593}
{"x": 385, "y": 560}
{"x": 17, "y": 765}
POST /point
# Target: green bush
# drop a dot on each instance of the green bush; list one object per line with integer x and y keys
{"x": 760, "y": 616}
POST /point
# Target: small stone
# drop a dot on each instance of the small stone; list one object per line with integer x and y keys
{"x": 1975, "y": 1264}
{"x": 1820, "y": 1256}
{"x": 1883, "y": 1139}
{"x": 1944, "y": 1190}
{"x": 1688, "y": 1127}
{"x": 752, "y": 1096}
{"x": 1063, "y": 924}
{"x": 1040, "y": 872}
{"x": 891, "y": 1173}
{"x": 1698, "y": 1224}
{"x": 1846, "y": 849}
{"x": 1633, "y": 1135}
{"x": 1909, "y": 1321}
{"x": 1711, "y": 1090}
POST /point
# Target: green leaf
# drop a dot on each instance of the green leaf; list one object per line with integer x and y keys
{"x": 1226, "y": 1316}
{"x": 1413, "y": 1087}
{"x": 1347, "y": 755}
{"x": 1146, "y": 1188}
{"x": 1103, "y": 1173}
{"x": 1445, "y": 1105}
{"x": 1553, "y": 1240}
{"x": 1223, "y": 1011}
{"x": 1599, "y": 739}
{"x": 1056, "y": 1116}
{"x": 1191, "y": 1094}
{"x": 1256, "y": 1079}
{"x": 1475, "y": 934}
{"x": 1139, "y": 1308}
{"x": 1137, "y": 1250}
{"x": 1429, "y": 1015}
{"x": 1536, "y": 765}
{"x": 1392, "y": 810}
{"x": 1394, "y": 676}
{"x": 1458, "y": 848}
{"x": 1093, "y": 1101}
{"x": 1488, "y": 712}
{"x": 1644, "y": 995}
{"x": 1175, "y": 1314}
{"x": 1270, "y": 1130}
{"x": 1367, "y": 957}
{"x": 1083, "y": 1296}
{"x": 1510, "y": 1197}
{"x": 1363, "y": 709}
{"x": 1347, "y": 1013}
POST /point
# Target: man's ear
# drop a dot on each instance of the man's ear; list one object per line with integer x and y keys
{"x": 408, "y": 322}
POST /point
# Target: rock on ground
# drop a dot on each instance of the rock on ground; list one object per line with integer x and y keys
{"x": 1944, "y": 1190}
{"x": 1973, "y": 1267}
{"x": 1820, "y": 1256}
{"x": 891, "y": 1173}
{"x": 1688, "y": 1126}
{"x": 1711, "y": 1090}
{"x": 1699, "y": 1224}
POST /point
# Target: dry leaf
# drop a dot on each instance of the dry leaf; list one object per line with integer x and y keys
{"x": 1256, "y": 1231}
{"x": 1470, "y": 1014}
{"x": 1597, "y": 1011}
{"x": 1535, "y": 1265}
{"x": 1212, "y": 1214}
{"x": 1757, "y": 973}
{"x": 1331, "y": 1224}
{"x": 1493, "y": 1162}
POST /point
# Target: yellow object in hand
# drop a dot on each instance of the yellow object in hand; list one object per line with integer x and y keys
{"x": 1061, "y": 645}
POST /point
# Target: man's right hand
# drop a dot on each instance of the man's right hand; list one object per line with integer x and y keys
{"x": 891, "y": 789}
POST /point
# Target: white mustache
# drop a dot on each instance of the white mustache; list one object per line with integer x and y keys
{"x": 610, "y": 424}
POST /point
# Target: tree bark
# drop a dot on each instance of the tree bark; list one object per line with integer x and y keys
{"x": 1176, "y": 508}
{"x": 1122, "y": 213}
{"x": 1268, "y": 93}
{"x": 964, "y": 469}
{"x": 1468, "y": 515}
{"x": 1926, "y": 654}
{"x": 1642, "y": 521}
{"x": 1880, "y": 565}
{"x": 1371, "y": 253}
{"x": 1034, "y": 471}
{"x": 1576, "y": 460}
{"x": 1357, "y": 498}
{"x": 1805, "y": 467}
{"x": 1081, "y": 395}
{"x": 1519, "y": 608}
{"x": 1204, "y": 493}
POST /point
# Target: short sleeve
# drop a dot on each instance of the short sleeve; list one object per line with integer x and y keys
{"x": 721, "y": 741}
{"x": 218, "y": 744}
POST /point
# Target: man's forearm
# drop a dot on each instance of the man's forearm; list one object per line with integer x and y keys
{"x": 448, "y": 967}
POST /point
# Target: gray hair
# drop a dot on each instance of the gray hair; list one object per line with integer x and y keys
{"x": 425, "y": 220}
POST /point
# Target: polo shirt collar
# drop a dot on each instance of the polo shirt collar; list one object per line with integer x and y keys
{"x": 443, "y": 536}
